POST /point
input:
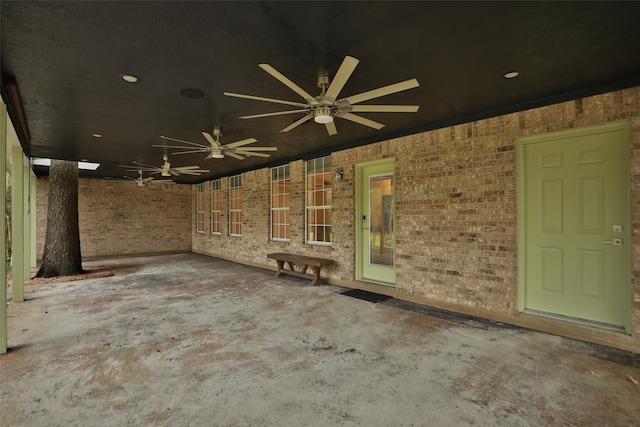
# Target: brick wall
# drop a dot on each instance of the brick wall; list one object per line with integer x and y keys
{"x": 120, "y": 218}
{"x": 456, "y": 207}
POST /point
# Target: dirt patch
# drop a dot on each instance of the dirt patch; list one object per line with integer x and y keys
{"x": 89, "y": 273}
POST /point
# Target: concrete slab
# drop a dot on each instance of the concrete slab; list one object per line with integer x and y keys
{"x": 192, "y": 340}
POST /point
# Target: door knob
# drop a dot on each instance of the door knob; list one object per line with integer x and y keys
{"x": 614, "y": 242}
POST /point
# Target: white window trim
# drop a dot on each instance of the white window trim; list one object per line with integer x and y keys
{"x": 315, "y": 242}
{"x": 200, "y": 209}
{"x": 309, "y": 208}
{"x": 231, "y": 210}
{"x": 217, "y": 190}
{"x": 288, "y": 208}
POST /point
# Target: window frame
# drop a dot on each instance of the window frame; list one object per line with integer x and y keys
{"x": 235, "y": 209}
{"x": 200, "y": 213}
{"x": 280, "y": 176}
{"x": 318, "y": 168}
{"x": 216, "y": 214}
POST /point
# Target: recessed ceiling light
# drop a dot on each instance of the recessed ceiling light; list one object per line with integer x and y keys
{"x": 511, "y": 75}
{"x": 192, "y": 93}
{"x": 97, "y": 135}
{"x": 129, "y": 78}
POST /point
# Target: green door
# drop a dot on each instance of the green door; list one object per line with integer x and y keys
{"x": 574, "y": 223}
{"x": 375, "y": 225}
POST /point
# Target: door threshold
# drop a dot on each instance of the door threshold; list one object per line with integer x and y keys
{"x": 378, "y": 282}
{"x": 583, "y": 322}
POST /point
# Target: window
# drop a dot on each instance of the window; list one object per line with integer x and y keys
{"x": 200, "y": 208}
{"x": 216, "y": 206}
{"x": 235, "y": 205}
{"x": 280, "y": 202}
{"x": 319, "y": 179}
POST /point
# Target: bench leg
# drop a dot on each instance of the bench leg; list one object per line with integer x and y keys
{"x": 317, "y": 280}
{"x": 280, "y": 267}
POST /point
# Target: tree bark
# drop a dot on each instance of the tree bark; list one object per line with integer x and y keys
{"x": 61, "y": 255}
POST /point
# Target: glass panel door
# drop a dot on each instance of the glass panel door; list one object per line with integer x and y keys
{"x": 375, "y": 228}
{"x": 381, "y": 233}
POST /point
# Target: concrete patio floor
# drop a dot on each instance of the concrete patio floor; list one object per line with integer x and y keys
{"x": 188, "y": 340}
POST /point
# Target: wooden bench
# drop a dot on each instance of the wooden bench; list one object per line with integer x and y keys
{"x": 302, "y": 261}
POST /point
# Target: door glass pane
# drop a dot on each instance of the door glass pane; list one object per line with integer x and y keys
{"x": 381, "y": 232}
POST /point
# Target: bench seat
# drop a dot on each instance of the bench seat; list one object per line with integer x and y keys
{"x": 304, "y": 262}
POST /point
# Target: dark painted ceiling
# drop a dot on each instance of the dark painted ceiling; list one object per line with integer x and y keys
{"x": 67, "y": 58}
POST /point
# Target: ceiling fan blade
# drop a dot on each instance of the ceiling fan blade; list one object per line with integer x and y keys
{"x": 362, "y": 121}
{"x": 211, "y": 139}
{"x": 143, "y": 170}
{"x": 385, "y": 108}
{"x": 291, "y": 85}
{"x": 143, "y": 165}
{"x": 240, "y": 143}
{"x": 258, "y": 149}
{"x": 260, "y": 98}
{"x": 150, "y": 178}
{"x": 277, "y": 113}
{"x": 297, "y": 123}
{"x": 189, "y": 172}
{"x": 340, "y": 79}
{"x": 200, "y": 150}
{"x": 203, "y": 148}
{"x": 181, "y": 168}
{"x": 234, "y": 155}
{"x": 252, "y": 153}
{"x": 382, "y": 91}
{"x": 331, "y": 128}
{"x": 180, "y": 140}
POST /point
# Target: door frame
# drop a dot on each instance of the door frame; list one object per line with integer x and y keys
{"x": 360, "y": 208}
{"x": 622, "y": 126}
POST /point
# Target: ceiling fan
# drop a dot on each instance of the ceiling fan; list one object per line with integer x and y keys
{"x": 166, "y": 169}
{"x": 216, "y": 150}
{"x": 325, "y": 107}
{"x": 140, "y": 181}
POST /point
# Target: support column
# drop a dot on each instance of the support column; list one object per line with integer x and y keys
{"x": 3, "y": 226}
{"x": 17, "y": 224}
{"x": 26, "y": 227}
{"x": 33, "y": 259}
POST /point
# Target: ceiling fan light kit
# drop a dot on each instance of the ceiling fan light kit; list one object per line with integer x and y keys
{"x": 323, "y": 115}
{"x": 217, "y": 154}
{"x": 326, "y": 106}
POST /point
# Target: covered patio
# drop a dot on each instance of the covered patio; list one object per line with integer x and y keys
{"x": 186, "y": 339}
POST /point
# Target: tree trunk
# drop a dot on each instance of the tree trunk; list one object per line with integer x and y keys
{"x": 61, "y": 255}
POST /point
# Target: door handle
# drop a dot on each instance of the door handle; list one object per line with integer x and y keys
{"x": 614, "y": 242}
